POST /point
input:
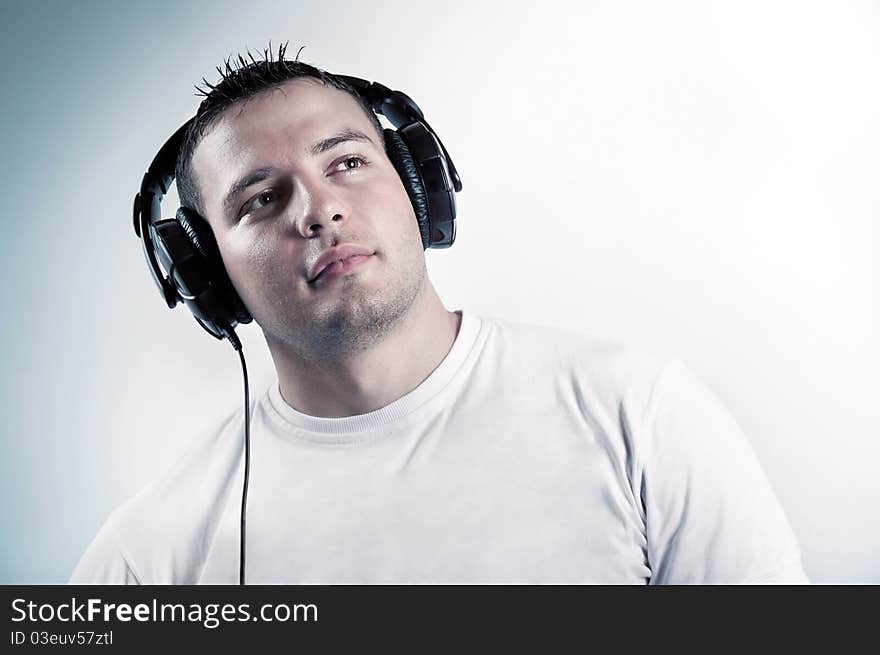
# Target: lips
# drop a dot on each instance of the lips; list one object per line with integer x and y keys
{"x": 336, "y": 254}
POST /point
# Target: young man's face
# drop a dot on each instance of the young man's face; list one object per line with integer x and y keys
{"x": 278, "y": 196}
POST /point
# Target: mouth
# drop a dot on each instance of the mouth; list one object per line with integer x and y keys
{"x": 337, "y": 261}
{"x": 340, "y": 267}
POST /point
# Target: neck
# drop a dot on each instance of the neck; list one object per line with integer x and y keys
{"x": 376, "y": 376}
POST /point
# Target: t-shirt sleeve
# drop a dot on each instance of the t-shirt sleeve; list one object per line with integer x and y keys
{"x": 711, "y": 515}
{"x": 104, "y": 561}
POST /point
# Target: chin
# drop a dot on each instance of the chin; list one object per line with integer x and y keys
{"x": 348, "y": 315}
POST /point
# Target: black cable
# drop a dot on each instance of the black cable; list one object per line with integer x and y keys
{"x": 247, "y": 468}
{"x": 229, "y": 333}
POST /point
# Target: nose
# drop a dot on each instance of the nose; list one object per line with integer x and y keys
{"x": 321, "y": 207}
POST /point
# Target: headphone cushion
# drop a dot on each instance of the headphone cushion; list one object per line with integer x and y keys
{"x": 399, "y": 154}
{"x": 202, "y": 239}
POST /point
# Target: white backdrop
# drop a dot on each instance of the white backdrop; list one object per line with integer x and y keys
{"x": 699, "y": 179}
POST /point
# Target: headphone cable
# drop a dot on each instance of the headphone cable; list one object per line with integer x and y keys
{"x": 229, "y": 333}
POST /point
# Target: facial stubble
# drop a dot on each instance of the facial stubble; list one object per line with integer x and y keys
{"x": 358, "y": 319}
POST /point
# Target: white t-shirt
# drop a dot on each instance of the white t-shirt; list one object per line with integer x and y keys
{"x": 530, "y": 455}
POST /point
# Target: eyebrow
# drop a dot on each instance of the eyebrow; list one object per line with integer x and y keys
{"x": 261, "y": 174}
{"x": 331, "y": 142}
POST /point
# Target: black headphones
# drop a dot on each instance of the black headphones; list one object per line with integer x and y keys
{"x": 185, "y": 245}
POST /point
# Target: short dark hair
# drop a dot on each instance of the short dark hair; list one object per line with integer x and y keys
{"x": 241, "y": 80}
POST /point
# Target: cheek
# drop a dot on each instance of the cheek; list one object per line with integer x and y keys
{"x": 393, "y": 203}
{"x": 248, "y": 264}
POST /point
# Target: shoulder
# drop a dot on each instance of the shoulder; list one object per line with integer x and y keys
{"x": 653, "y": 401}
{"x": 164, "y": 532}
{"x": 609, "y": 368}
{"x": 105, "y": 561}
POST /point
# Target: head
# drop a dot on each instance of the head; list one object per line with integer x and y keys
{"x": 286, "y": 163}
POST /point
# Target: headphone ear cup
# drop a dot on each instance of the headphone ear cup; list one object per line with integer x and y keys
{"x": 202, "y": 239}
{"x": 406, "y": 168}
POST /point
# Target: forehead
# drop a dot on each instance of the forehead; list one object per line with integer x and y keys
{"x": 274, "y": 128}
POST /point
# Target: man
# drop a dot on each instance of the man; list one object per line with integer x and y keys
{"x": 407, "y": 443}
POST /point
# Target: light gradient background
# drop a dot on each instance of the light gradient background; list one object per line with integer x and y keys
{"x": 699, "y": 179}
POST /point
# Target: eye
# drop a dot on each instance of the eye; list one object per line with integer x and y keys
{"x": 259, "y": 201}
{"x": 350, "y": 164}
